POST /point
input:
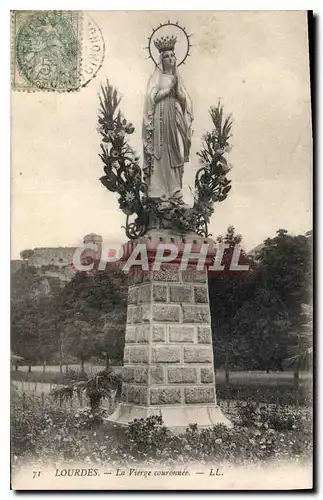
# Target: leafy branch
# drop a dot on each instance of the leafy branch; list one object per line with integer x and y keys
{"x": 303, "y": 349}
{"x": 122, "y": 171}
{"x": 211, "y": 183}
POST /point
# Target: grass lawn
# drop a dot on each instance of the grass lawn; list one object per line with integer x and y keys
{"x": 273, "y": 387}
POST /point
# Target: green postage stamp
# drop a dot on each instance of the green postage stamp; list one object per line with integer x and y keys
{"x": 54, "y": 50}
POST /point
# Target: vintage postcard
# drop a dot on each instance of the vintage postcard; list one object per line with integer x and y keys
{"x": 161, "y": 250}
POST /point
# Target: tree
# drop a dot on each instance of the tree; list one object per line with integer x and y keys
{"x": 33, "y": 331}
{"x": 26, "y": 254}
{"x": 261, "y": 328}
{"x": 285, "y": 267}
{"x": 92, "y": 312}
{"x": 33, "y": 317}
{"x": 227, "y": 290}
{"x": 109, "y": 341}
{"x": 79, "y": 338}
{"x": 301, "y": 351}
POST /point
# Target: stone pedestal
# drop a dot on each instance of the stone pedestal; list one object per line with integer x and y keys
{"x": 168, "y": 357}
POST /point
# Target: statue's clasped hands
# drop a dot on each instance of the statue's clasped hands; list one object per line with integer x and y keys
{"x": 174, "y": 85}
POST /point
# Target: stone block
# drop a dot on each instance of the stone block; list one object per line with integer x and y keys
{"x": 132, "y": 295}
{"x": 196, "y": 354}
{"x": 164, "y": 396}
{"x": 157, "y": 375}
{"x": 142, "y": 334}
{"x": 207, "y": 375}
{"x": 196, "y": 314}
{"x": 165, "y": 354}
{"x": 130, "y": 334}
{"x": 135, "y": 276}
{"x": 137, "y": 395}
{"x": 158, "y": 333}
{"x": 146, "y": 277}
{"x": 181, "y": 333}
{"x": 199, "y": 395}
{"x": 141, "y": 375}
{"x": 137, "y": 334}
{"x": 146, "y": 313}
{"x": 132, "y": 277}
{"x": 160, "y": 293}
{"x": 124, "y": 392}
{"x": 201, "y": 294}
{"x": 138, "y": 354}
{"x": 204, "y": 335}
{"x": 134, "y": 315}
{"x": 128, "y": 374}
{"x": 165, "y": 312}
{"x": 126, "y": 355}
{"x": 180, "y": 293}
{"x": 181, "y": 375}
{"x": 144, "y": 294}
{"x": 192, "y": 275}
{"x": 167, "y": 272}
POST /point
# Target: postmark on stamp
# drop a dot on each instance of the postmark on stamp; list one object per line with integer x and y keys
{"x": 54, "y": 50}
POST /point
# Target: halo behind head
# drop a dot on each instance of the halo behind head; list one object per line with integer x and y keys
{"x": 168, "y": 41}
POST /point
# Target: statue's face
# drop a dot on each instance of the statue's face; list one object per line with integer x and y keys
{"x": 169, "y": 59}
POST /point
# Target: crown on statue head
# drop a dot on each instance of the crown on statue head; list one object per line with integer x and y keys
{"x": 165, "y": 43}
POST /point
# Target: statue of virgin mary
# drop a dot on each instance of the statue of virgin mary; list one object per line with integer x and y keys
{"x": 167, "y": 129}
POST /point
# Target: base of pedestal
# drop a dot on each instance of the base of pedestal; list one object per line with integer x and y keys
{"x": 176, "y": 418}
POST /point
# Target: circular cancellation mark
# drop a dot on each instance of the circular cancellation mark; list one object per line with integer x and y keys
{"x": 93, "y": 50}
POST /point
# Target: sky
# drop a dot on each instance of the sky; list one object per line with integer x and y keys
{"x": 255, "y": 62}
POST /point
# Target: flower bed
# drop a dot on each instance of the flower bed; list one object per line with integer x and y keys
{"x": 48, "y": 433}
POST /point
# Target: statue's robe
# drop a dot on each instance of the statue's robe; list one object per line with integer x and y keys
{"x": 166, "y": 139}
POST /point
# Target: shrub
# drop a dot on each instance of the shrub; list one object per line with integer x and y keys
{"x": 279, "y": 418}
{"x": 146, "y": 437}
{"x": 247, "y": 413}
{"x": 101, "y": 385}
